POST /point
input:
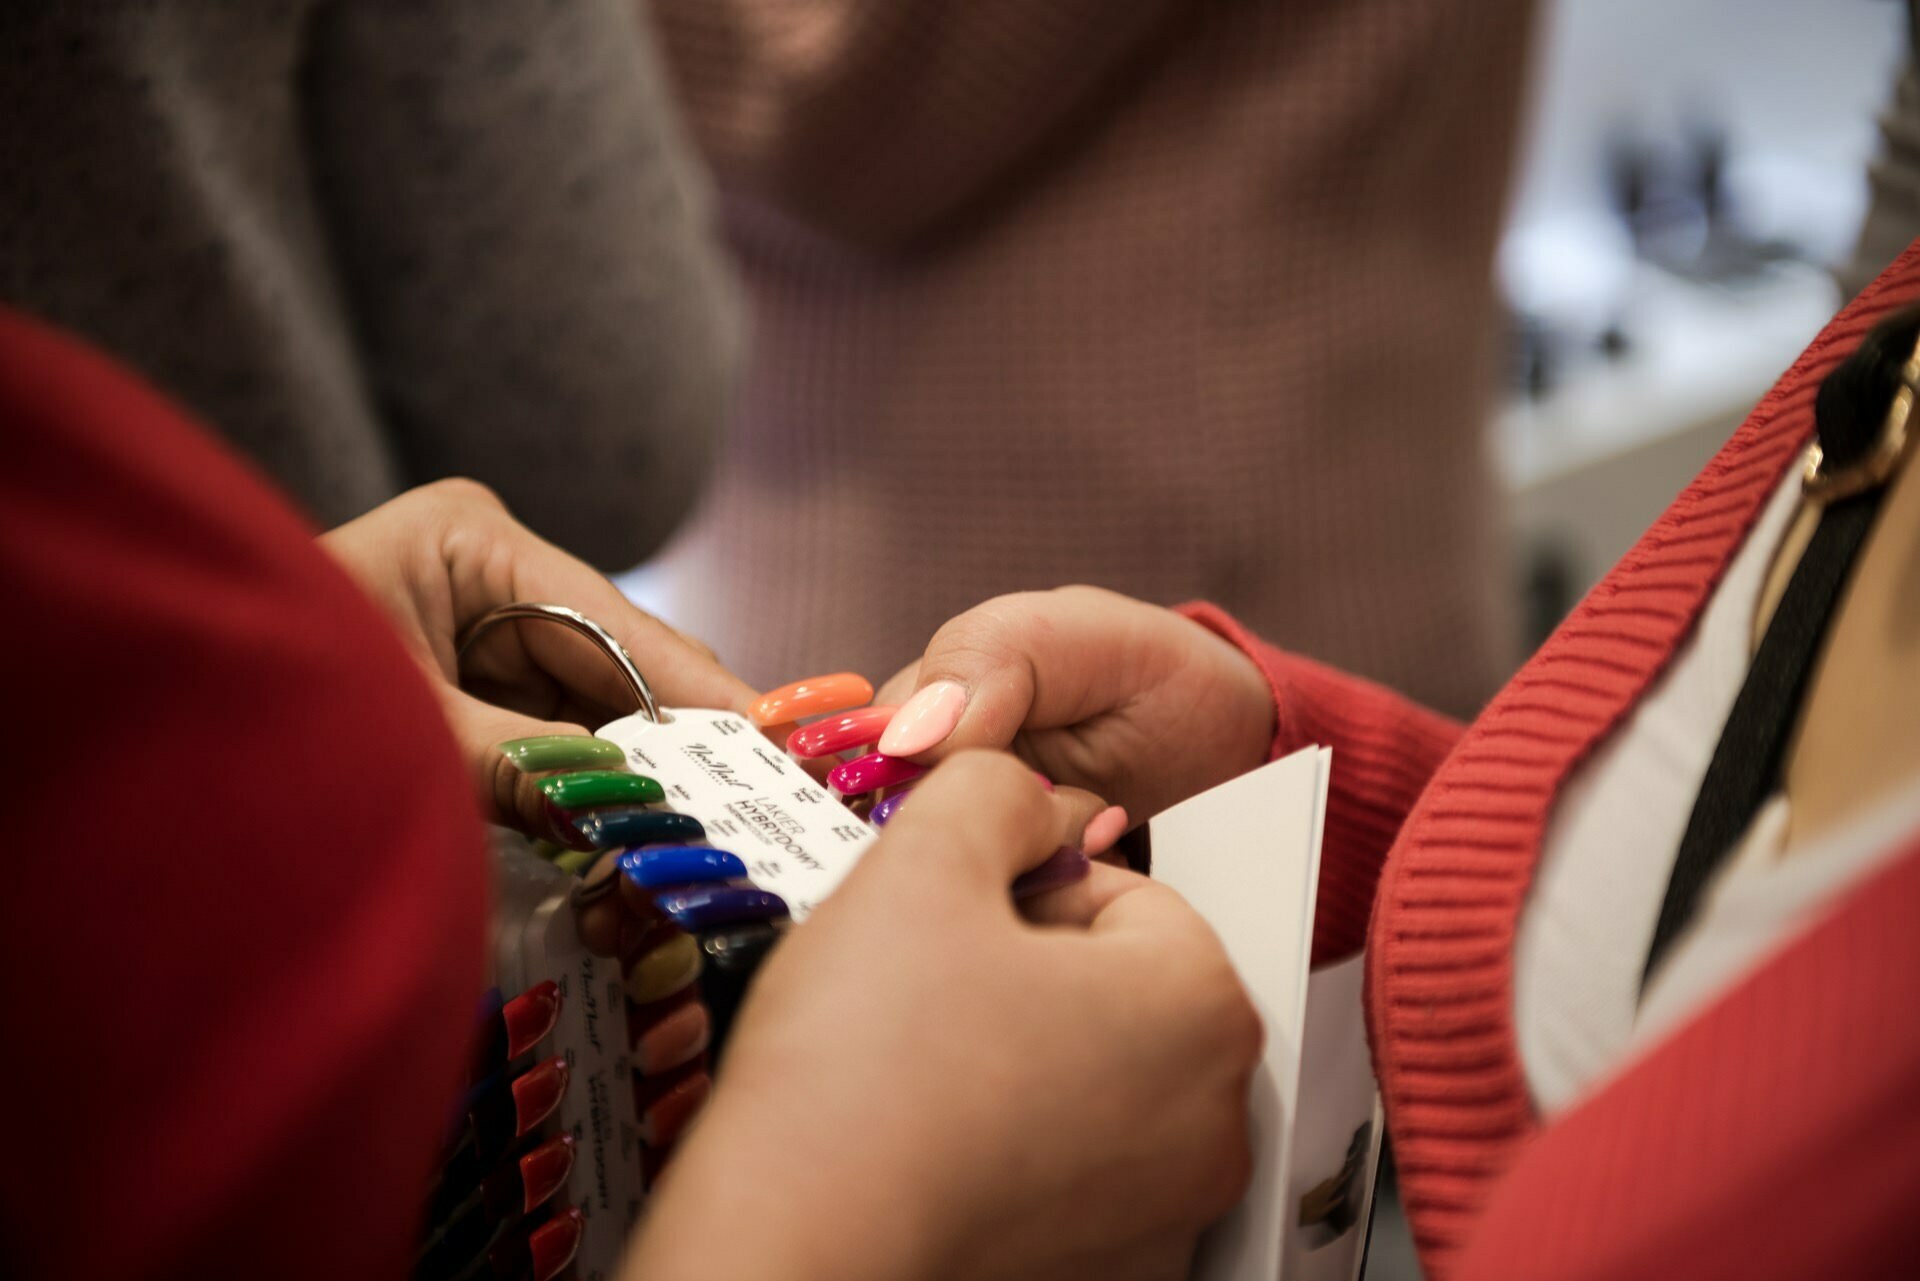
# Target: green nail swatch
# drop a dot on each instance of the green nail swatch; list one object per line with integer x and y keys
{"x": 601, "y": 787}
{"x": 575, "y": 862}
{"x": 561, "y": 751}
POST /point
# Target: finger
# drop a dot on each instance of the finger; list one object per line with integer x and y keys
{"x": 508, "y": 794}
{"x": 1081, "y": 903}
{"x": 982, "y": 818}
{"x": 1035, "y": 660}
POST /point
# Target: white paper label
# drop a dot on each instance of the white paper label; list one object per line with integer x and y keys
{"x": 795, "y": 836}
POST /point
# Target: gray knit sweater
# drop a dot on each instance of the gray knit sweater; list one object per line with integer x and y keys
{"x": 377, "y": 242}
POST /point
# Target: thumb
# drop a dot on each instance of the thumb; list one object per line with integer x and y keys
{"x": 979, "y": 821}
{"x": 1032, "y": 661}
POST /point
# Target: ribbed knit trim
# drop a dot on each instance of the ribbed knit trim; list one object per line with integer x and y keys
{"x": 1440, "y": 966}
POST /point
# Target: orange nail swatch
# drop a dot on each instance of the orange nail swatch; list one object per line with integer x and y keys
{"x": 815, "y": 696}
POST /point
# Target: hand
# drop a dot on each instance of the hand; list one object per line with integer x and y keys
{"x": 437, "y": 558}
{"x": 1093, "y": 689}
{"x": 924, "y": 1084}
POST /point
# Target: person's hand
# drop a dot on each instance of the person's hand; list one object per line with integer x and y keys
{"x": 1095, "y": 690}
{"x": 437, "y": 558}
{"x": 924, "y": 1084}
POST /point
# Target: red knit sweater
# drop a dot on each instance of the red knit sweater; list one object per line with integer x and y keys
{"x": 1775, "y": 1135}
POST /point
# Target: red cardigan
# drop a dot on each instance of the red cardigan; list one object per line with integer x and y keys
{"x": 242, "y": 932}
{"x": 1776, "y": 1134}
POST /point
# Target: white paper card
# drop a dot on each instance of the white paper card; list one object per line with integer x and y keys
{"x": 1247, "y": 855}
{"x": 795, "y": 836}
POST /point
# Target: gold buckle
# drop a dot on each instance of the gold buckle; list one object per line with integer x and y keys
{"x": 1824, "y": 486}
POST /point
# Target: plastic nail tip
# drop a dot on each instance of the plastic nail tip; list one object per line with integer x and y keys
{"x": 600, "y": 787}
{"x": 533, "y": 1180}
{"x": 665, "y": 865}
{"x": 662, "y": 970}
{"x": 537, "y": 1092}
{"x": 611, "y": 828}
{"x": 674, "y": 1039}
{"x": 666, "y": 1118}
{"x": 702, "y": 907}
{"x": 562, "y": 751}
{"x": 883, "y": 812}
{"x": 814, "y": 696}
{"x": 871, "y": 772}
{"x": 541, "y": 1253}
{"x": 530, "y": 1016}
{"x": 840, "y": 733}
{"x": 1065, "y": 867}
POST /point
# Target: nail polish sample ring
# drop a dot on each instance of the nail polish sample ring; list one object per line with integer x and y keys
{"x": 680, "y": 865}
{"x": 815, "y": 696}
{"x": 701, "y": 907}
{"x": 838, "y": 733}
{"x": 866, "y": 773}
{"x": 601, "y": 787}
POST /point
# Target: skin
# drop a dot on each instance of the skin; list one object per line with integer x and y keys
{"x": 1056, "y": 1090}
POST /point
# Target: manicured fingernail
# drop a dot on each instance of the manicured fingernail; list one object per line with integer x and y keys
{"x": 874, "y": 770}
{"x": 1106, "y": 827}
{"x": 667, "y": 1116}
{"x": 838, "y": 733}
{"x": 925, "y": 719}
{"x": 661, "y": 971}
{"x": 544, "y": 1171}
{"x": 536, "y": 1093}
{"x": 574, "y": 862}
{"x": 1065, "y": 867}
{"x": 610, "y": 828}
{"x": 600, "y": 787}
{"x": 529, "y": 1016}
{"x": 561, "y": 751}
{"x": 815, "y": 696}
{"x": 680, "y": 865}
{"x": 884, "y": 811}
{"x": 542, "y": 1253}
{"x": 674, "y": 1040}
{"x": 700, "y": 907}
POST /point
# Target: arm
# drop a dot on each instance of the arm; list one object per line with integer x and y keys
{"x": 525, "y": 251}
{"x": 873, "y": 122}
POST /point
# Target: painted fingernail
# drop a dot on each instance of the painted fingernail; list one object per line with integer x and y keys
{"x": 884, "y": 811}
{"x": 561, "y": 751}
{"x": 1065, "y": 867}
{"x": 529, "y": 1016}
{"x": 537, "y": 1092}
{"x": 610, "y": 828}
{"x": 661, "y": 971}
{"x": 874, "y": 770}
{"x": 838, "y": 733}
{"x": 600, "y": 787}
{"x": 675, "y": 1039}
{"x": 667, "y": 1116}
{"x": 1106, "y": 827}
{"x": 815, "y": 696}
{"x": 540, "y": 1253}
{"x": 680, "y": 865}
{"x": 701, "y": 907}
{"x": 925, "y": 719}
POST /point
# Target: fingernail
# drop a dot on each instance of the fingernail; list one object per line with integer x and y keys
{"x": 609, "y": 828}
{"x": 814, "y": 696}
{"x": 542, "y": 1253}
{"x": 1106, "y": 827}
{"x": 600, "y": 787}
{"x": 883, "y": 812}
{"x": 838, "y": 733}
{"x": 701, "y": 907}
{"x": 874, "y": 770}
{"x": 561, "y": 751}
{"x": 675, "y": 1039}
{"x": 529, "y": 1016}
{"x": 680, "y": 865}
{"x": 544, "y": 1171}
{"x": 667, "y": 1116}
{"x": 661, "y": 971}
{"x": 536, "y": 1093}
{"x": 1065, "y": 867}
{"x": 925, "y": 719}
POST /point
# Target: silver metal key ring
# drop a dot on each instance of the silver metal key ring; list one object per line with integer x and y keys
{"x": 573, "y": 620}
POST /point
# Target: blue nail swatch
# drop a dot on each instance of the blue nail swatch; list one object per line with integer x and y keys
{"x": 680, "y": 865}
{"x": 701, "y": 907}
